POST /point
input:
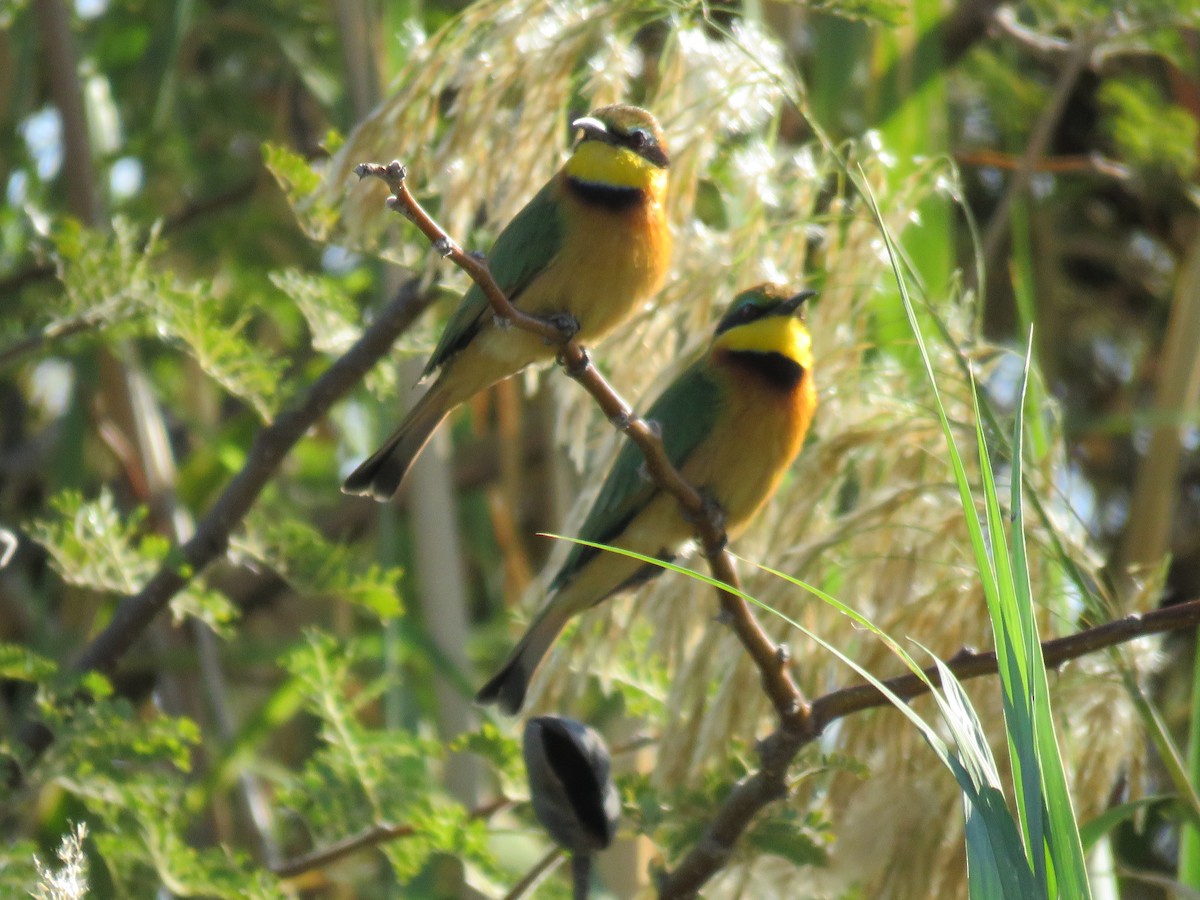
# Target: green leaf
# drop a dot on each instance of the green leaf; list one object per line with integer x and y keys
{"x": 191, "y": 315}
{"x": 1147, "y": 130}
{"x": 1092, "y": 831}
{"x": 92, "y": 546}
{"x": 19, "y": 663}
{"x": 316, "y": 566}
{"x": 788, "y": 834}
{"x": 302, "y": 185}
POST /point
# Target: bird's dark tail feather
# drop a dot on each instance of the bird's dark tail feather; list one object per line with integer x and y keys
{"x": 507, "y": 688}
{"x": 380, "y": 475}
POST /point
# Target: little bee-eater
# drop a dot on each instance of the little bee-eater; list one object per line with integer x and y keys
{"x": 590, "y": 246}
{"x": 731, "y": 424}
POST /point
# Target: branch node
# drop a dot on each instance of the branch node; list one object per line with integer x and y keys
{"x": 567, "y": 325}
{"x": 711, "y": 515}
{"x": 783, "y": 654}
{"x": 504, "y": 323}
{"x": 444, "y": 246}
{"x": 574, "y": 360}
{"x": 963, "y": 653}
{"x": 396, "y": 170}
{"x": 715, "y": 850}
{"x": 623, "y": 421}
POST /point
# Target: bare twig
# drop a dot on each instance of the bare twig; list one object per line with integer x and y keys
{"x": 64, "y": 328}
{"x": 376, "y": 834}
{"x": 534, "y": 876}
{"x": 780, "y": 687}
{"x": 1039, "y": 140}
{"x": 1051, "y": 51}
{"x": 1056, "y": 652}
{"x": 1087, "y": 164}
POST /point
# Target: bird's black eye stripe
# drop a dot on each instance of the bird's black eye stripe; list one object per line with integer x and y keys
{"x": 747, "y": 312}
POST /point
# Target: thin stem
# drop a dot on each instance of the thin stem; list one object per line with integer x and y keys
{"x": 534, "y": 876}
{"x": 581, "y": 875}
{"x": 376, "y": 834}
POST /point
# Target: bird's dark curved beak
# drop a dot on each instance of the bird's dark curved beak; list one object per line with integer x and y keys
{"x": 593, "y": 129}
{"x": 788, "y": 307}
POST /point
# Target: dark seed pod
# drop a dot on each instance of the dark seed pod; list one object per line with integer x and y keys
{"x": 570, "y": 783}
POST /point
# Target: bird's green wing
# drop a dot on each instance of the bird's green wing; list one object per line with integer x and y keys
{"x": 524, "y": 248}
{"x": 686, "y": 413}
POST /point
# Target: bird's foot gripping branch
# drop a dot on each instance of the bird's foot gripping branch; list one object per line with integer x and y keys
{"x": 777, "y": 681}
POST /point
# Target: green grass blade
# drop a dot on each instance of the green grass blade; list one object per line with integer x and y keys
{"x": 1049, "y": 826}
{"x": 1012, "y": 653}
{"x": 997, "y": 865}
{"x": 1189, "y": 839}
{"x": 1062, "y": 830}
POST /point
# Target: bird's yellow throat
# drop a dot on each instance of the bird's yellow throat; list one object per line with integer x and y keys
{"x": 600, "y": 163}
{"x": 785, "y": 335}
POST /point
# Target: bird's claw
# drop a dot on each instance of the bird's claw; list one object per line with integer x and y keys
{"x": 567, "y": 325}
{"x": 711, "y": 514}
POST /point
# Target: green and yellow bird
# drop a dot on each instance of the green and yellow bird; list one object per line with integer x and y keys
{"x": 590, "y": 246}
{"x": 731, "y": 423}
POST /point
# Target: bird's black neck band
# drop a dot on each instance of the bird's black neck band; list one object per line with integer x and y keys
{"x": 776, "y": 369}
{"x": 607, "y": 196}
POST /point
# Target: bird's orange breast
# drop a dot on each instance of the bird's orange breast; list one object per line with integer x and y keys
{"x": 762, "y": 431}
{"x": 610, "y": 261}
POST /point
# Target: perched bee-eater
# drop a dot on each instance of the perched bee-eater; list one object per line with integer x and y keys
{"x": 731, "y": 424}
{"x": 590, "y": 246}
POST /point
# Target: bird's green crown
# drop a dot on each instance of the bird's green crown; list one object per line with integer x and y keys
{"x": 766, "y": 320}
{"x": 621, "y": 146}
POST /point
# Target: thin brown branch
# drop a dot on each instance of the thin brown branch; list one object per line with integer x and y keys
{"x": 534, "y": 876}
{"x": 403, "y": 202}
{"x": 267, "y": 452}
{"x": 1056, "y": 652}
{"x": 772, "y": 664}
{"x": 376, "y": 834}
{"x": 1039, "y": 139}
{"x": 1051, "y": 51}
{"x": 55, "y": 331}
{"x": 1087, "y": 164}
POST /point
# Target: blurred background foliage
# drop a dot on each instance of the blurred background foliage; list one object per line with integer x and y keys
{"x": 183, "y": 250}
